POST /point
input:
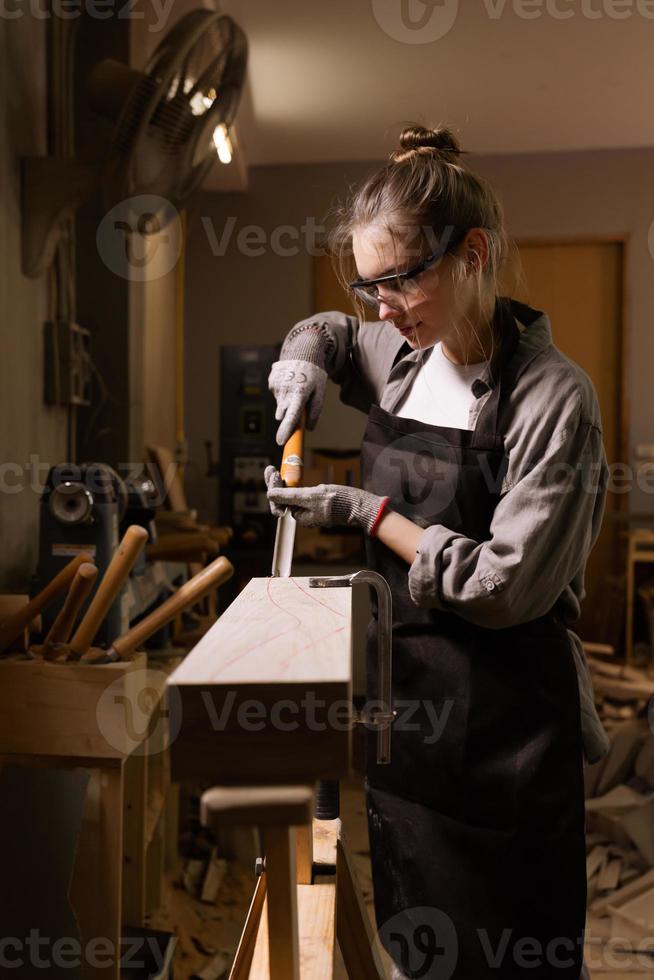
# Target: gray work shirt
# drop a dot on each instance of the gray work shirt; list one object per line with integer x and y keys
{"x": 552, "y": 497}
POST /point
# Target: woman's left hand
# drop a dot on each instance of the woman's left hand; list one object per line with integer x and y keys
{"x": 326, "y": 505}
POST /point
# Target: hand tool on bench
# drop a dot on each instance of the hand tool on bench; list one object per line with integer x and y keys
{"x": 14, "y": 626}
{"x": 291, "y": 473}
{"x": 63, "y": 625}
{"x": 196, "y": 588}
{"x": 112, "y": 582}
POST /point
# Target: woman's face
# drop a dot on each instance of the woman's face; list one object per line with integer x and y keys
{"x": 427, "y": 313}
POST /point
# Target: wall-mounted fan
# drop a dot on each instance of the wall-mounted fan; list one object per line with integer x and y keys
{"x": 170, "y": 121}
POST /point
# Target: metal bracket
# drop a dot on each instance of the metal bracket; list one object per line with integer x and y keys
{"x": 381, "y": 719}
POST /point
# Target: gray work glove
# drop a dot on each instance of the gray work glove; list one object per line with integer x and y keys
{"x": 298, "y": 379}
{"x": 326, "y": 505}
{"x": 296, "y": 385}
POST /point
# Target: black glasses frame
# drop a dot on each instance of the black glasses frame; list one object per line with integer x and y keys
{"x": 408, "y": 273}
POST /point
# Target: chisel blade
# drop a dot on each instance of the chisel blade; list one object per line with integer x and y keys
{"x": 284, "y": 543}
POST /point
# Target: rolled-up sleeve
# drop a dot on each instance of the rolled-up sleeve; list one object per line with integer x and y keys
{"x": 541, "y": 533}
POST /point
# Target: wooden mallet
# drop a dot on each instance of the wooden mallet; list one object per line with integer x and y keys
{"x": 112, "y": 582}
{"x": 196, "y": 588}
{"x": 62, "y": 627}
{"x": 14, "y": 626}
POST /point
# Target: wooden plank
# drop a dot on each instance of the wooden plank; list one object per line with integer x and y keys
{"x": 154, "y": 868}
{"x": 601, "y": 905}
{"x": 355, "y": 935}
{"x": 282, "y": 911}
{"x": 71, "y": 710}
{"x": 304, "y": 856}
{"x": 96, "y": 888}
{"x": 265, "y": 696}
{"x": 609, "y": 875}
{"x": 134, "y": 856}
{"x": 325, "y": 841}
{"x": 253, "y": 923}
{"x": 316, "y": 917}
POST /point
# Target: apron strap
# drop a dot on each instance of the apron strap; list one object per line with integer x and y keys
{"x": 502, "y": 367}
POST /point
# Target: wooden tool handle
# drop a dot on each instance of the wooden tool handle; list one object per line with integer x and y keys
{"x": 14, "y": 626}
{"x": 62, "y": 627}
{"x": 112, "y": 582}
{"x": 196, "y": 588}
{"x": 170, "y": 545}
{"x": 293, "y": 457}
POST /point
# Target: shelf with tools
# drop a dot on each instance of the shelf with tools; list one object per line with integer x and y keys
{"x": 69, "y": 706}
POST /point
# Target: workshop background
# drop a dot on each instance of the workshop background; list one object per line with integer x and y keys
{"x": 146, "y": 351}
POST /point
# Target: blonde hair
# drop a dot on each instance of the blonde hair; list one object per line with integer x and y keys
{"x": 425, "y": 190}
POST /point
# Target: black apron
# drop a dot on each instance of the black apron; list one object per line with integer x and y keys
{"x": 477, "y": 825}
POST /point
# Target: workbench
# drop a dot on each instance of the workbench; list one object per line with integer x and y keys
{"x": 106, "y": 721}
{"x": 265, "y": 696}
{"x": 265, "y": 703}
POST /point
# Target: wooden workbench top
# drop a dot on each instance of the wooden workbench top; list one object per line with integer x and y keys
{"x": 277, "y": 630}
{"x": 265, "y": 696}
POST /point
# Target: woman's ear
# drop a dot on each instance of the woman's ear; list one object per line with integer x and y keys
{"x": 475, "y": 250}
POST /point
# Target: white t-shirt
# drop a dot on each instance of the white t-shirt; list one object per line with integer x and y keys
{"x": 440, "y": 393}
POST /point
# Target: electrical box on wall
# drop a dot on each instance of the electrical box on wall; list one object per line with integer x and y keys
{"x": 67, "y": 363}
{"x": 247, "y": 443}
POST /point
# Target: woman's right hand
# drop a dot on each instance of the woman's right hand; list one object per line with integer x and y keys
{"x": 296, "y": 385}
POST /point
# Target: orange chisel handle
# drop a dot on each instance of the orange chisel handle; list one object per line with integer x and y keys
{"x": 14, "y": 626}
{"x": 63, "y": 624}
{"x": 293, "y": 457}
{"x": 112, "y": 582}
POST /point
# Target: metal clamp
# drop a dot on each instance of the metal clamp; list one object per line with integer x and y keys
{"x": 384, "y": 718}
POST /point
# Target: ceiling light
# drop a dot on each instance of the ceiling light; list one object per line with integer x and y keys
{"x": 223, "y": 143}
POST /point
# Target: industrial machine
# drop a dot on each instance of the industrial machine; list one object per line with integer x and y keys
{"x": 88, "y": 508}
{"x": 247, "y": 445}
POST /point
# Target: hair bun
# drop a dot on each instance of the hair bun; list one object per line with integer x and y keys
{"x": 419, "y": 139}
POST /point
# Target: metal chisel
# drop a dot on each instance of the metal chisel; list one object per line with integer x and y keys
{"x": 291, "y": 474}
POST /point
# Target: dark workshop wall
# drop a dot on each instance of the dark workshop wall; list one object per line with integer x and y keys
{"x": 233, "y": 297}
{"x": 238, "y": 298}
{"x": 30, "y": 431}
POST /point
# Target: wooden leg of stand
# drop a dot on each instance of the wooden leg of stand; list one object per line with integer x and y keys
{"x": 304, "y": 838}
{"x": 281, "y": 873}
{"x": 353, "y": 928}
{"x": 245, "y": 952}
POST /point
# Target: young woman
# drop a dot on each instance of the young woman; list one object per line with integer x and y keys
{"x": 484, "y": 480}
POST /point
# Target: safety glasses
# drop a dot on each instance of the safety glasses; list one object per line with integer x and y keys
{"x": 399, "y": 287}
